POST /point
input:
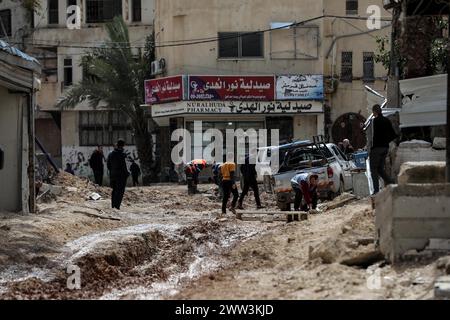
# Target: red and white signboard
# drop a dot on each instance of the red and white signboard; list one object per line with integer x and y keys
{"x": 164, "y": 90}
{"x": 226, "y": 88}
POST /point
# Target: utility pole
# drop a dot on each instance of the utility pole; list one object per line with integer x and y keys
{"x": 393, "y": 89}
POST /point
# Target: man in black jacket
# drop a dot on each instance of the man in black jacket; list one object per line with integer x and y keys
{"x": 383, "y": 134}
{"x": 135, "y": 173}
{"x": 118, "y": 173}
{"x": 248, "y": 171}
{"x": 96, "y": 163}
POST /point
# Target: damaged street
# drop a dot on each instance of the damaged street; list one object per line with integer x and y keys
{"x": 157, "y": 249}
{"x": 224, "y": 159}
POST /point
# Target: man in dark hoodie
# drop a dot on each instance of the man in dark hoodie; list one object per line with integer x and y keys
{"x": 96, "y": 164}
{"x": 118, "y": 173}
{"x": 383, "y": 134}
{"x": 248, "y": 171}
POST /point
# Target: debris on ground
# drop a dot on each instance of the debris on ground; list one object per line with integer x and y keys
{"x": 166, "y": 244}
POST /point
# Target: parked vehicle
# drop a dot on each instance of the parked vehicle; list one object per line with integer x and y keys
{"x": 324, "y": 159}
{"x": 264, "y": 164}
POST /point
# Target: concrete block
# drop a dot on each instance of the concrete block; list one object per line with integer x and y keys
{"x": 422, "y": 172}
{"x": 412, "y": 207}
{"x": 439, "y": 244}
{"x": 440, "y": 143}
{"x": 360, "y": 185}
{"x": 417, "y": 154}
{"x": 442, "y": 288}
{"x": 422, "y": 228}
{"x": 414, "y": 144}
{"x": 409, "y": 216}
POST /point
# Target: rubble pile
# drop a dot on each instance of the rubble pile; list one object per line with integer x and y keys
{"x": 352, "y": 246}
{"x": 65, "y": 186}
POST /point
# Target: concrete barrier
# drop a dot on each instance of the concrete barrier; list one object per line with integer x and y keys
{"x": 422, "y": 172}
{"x": 408, "y": 216}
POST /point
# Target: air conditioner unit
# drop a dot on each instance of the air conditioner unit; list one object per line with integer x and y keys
{"x": 158, "y": 67}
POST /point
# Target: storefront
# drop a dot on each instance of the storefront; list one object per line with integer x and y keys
{"x": 291, "y": 104}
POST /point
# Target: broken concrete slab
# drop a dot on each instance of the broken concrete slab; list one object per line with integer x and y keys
{"x": 49, "y": 188}
{"x": 439, "y": 143}
{"x": 346, "y": 252}
{"x": 444, "y": 264}
{"x": 341, "y": 201}
{"x": 422, "y": 172}
{"x": 364, "y": 259}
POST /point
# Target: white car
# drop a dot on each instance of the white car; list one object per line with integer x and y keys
{"x": 325, "y": 160}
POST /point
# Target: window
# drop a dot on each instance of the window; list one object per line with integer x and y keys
{"x": 368, "y": 66}
{"x": 104, "y": 128}
{"x": 351, "y": 7}
{"x": 5, "y": 23}
{"x": 240, "y": 45}
{"x": 102, "y": 10}
{"x": 68, "y": 73}
{"x": 53, "y": 12}
{"x": 71, "y": 3}
{"x": 347, "y": 67}
{"x": 137, "y": 9}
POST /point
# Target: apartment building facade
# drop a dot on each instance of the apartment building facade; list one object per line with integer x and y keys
{"x": 209, "y": 41}
{"x": 70, "y": 136}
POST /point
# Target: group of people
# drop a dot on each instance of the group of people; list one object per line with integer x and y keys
{"x": 118, "y": 171}
{"x": 224, "y": 176}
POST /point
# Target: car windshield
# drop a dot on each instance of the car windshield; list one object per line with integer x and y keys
{"x": 305, "y": 157}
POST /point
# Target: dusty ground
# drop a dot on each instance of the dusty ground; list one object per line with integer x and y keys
{"x": 165, "y": 244}
{"x": 310, "y": 260}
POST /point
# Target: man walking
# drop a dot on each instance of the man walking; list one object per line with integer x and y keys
{"x": 305, "y": 186}
{"x": 96, "y": 164}
{"x": 248, "y": 171}
{"x": 118, "y": 173}
{"x": 229, "y": 187}
{"x": 383, "y": 134}
{"x": 217, "y": 177}
{"x": 135, "y": 173}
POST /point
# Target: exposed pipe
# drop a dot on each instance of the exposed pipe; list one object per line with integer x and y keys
{"x": 31, "y": 150}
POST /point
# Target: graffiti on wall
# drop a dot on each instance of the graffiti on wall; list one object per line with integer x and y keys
{"x": 78, "y": 157}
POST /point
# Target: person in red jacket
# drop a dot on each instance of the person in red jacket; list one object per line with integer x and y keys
{"x": 305, "y": 186}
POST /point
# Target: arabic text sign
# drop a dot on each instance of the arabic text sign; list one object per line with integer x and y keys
{"x": 259, "y": 88}
{"x": 300, "y": 87}
{"x": 238, "y": 107}
{"x": 164, "y": 90}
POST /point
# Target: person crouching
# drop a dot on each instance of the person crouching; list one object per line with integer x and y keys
{"x": 305, "y": 187}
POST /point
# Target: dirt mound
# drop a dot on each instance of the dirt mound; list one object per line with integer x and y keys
{"x": 65, "y": 186}
{"x": 354, "y": 245}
